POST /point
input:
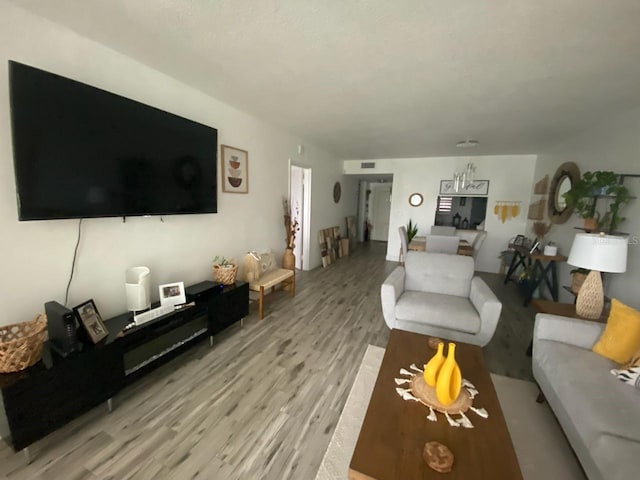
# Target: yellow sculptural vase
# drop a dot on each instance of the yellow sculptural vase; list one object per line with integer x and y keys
{"x": 433, "y": 366}
{"x": 449, "y": 378}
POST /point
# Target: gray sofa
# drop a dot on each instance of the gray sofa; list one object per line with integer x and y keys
{"x": 599, "y": 414}
{"x": 437, "y": 294}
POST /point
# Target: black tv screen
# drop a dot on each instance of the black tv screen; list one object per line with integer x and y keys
{"x": 83, "y": 152}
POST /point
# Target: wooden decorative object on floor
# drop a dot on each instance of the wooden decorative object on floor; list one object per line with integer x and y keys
{"x": 330, "y": 245}
{"x": 438, "y": 457}
{"x": 21, "y": 344}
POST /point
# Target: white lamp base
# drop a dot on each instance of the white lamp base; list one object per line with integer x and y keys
{"x": 590, "y": 299}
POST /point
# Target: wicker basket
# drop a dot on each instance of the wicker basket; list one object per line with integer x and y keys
{"x": 21, "y": 344}
{"x": 225, "y": 275}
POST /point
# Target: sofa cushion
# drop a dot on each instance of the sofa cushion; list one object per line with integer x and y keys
{"x": 438, "y": 273}
{"x": 630, "y": 376}
{"x": 595, "y": 402}
{"x": 449, "y": 311}
{"x": 621, "y": 337}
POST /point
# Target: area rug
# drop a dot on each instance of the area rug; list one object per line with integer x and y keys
{"x": 541, "y": 448}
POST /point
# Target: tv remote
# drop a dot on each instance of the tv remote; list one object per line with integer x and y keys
{"x": 152, "y": 314}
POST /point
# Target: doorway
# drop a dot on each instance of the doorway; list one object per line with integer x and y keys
{"x": 300, "y": 203}
{"x": 380, "y": 211}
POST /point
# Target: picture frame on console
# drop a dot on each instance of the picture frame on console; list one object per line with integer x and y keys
{"x": 234, "y": 163}
{"x": 89, "y": 317}
{"x": 172, "y": 294}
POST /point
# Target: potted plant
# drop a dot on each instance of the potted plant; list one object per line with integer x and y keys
{"x": 583, "y": 194}
{"x": 525, "y": 278}
{"x": 412, "y": 231}
{"x": 224, "y": 271}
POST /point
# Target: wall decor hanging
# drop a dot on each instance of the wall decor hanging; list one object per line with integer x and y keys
{"x": 337, "y": 192}
{"x": 506, "y": 210}
{"x": 235, "y": 169}
{"x": 476, "y": 187}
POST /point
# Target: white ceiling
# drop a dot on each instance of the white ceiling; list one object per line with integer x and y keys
{"x": 388, "y": 78}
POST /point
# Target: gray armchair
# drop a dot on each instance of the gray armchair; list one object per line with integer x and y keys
{"x": 402, "y": 230}
{"x": 442, "y": 244}
{"x": 437, "y": 294}
{"x": 442, "y": 230}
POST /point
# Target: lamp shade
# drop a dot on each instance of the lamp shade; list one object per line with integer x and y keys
{"x": 604, "y": 253}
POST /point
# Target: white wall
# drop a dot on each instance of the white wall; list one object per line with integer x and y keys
{"x": 510, "y": 178}
{"x": 37, "y": 255}
{"x": 613, "y": 144}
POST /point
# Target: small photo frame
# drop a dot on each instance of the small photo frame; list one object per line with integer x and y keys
{"x": 172, "y": 294}
{"x": 234, "y": 170}
{"x": 519, "y": 240}
{"x": 89, "y": 317}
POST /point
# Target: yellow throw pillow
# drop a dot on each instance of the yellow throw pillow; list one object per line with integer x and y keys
{"x": 621, "y": 337}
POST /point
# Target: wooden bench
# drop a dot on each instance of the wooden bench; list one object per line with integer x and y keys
{"x": 262, "y": 274}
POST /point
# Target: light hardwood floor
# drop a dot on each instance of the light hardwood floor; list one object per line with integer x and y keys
{"x": 264, "y": 401}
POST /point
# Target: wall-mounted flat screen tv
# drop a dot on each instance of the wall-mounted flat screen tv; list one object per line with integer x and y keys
{"x": 80, "y": 151}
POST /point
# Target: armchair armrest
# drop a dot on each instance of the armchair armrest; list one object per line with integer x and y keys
{"x": 573, "y": 331}
{"x": 390, "y": 291}
{"x": 488, "y": 307}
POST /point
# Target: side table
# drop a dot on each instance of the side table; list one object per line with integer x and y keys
{"x": 543, "y": 270}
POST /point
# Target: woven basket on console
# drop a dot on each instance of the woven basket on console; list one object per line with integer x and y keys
{"x": 225, "y": 275}
{"x": 21, "y": 344}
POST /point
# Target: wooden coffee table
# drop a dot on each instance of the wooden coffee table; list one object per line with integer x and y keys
{"x": 394, "y": 430}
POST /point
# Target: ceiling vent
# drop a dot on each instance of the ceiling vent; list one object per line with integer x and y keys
{"x": 367, "y": 164}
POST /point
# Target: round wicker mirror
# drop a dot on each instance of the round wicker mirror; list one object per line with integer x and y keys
{"x": 566, "y": 175}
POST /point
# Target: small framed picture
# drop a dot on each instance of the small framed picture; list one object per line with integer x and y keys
{"x": 172, "y": 294}
{"x": 519, "y": 240}
{"x": 89, "y": 317}
{"x": 234, "y": 164}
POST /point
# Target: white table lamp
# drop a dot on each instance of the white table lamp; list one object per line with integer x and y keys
{"x": 137, "y": 285}
{"x": 598, "y": 253}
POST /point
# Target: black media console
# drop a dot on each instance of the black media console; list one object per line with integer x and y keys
{"x": 42, "y": 398}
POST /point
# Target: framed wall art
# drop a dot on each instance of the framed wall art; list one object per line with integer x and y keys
{"x": 89, "y": 317}
{"x": 477, "y": 187}
{"x": 234, "y": 169}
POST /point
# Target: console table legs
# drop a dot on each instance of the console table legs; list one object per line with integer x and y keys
{"x": 109, "y": 405}
{"x": 27, "y": 455}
